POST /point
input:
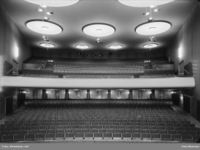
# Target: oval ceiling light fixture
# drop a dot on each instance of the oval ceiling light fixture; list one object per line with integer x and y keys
{"x": 81, "y": 46}
{"x": 44, "y": 27}
{"x": 115, "y": 46}
{"x": 151, "y": 45}
{"x": 47, "y": 44}
{"x": 144, "y": 3}
{"x": 53, "y": 3}
{"x": 98, "y": 30}
{"x": 153, "y": 27}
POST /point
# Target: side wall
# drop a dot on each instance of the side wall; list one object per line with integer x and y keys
{"x": 13, "y": 49}
{"x": 187, "y": 48}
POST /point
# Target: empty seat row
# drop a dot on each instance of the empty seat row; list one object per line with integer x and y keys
{"x": 111, "y": 135}
{"x": 145, "y": 123}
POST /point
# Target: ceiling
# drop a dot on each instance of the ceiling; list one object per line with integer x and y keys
{"x": 123, "y": 18}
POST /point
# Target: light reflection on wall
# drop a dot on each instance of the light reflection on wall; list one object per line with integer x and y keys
{"x": 181, "y": 100}
{"x": 99, "y": 94}
{"x": 181, "y": 51}
{"x": 120, "y": 94}
{"x": 77, "y": 94}
{"x": 1, "y": 71}
{"x": 15, "y": 50}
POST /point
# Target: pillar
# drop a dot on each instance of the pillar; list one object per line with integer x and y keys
{"x": 66, "y": 94}
{"x": 44, "y": 94}
{"x": 130, "y": 94}
{"x": 88, "y": 94}
{"x": 109, "y": 94}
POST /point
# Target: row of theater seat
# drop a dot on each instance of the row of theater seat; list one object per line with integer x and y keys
{"x": 99, "y": 68}
{"x": 102, "y": 102}
{"x": 67, "y": 113}
{"x": 186, "y": 133}
{"x": 79, "y": 69}
{"x": 86, "y": 75}
{"x": 98, "y": 136}
{"x": 141, "y": 123}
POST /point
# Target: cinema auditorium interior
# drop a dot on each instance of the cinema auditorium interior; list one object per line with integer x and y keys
{"x": 100, "y": 70}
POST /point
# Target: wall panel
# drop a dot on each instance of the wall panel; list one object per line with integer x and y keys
{"x": 187, "y": 48}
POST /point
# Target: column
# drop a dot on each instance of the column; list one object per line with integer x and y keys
{"x": 152, "y": 95}
{"x": 130, "y": 94}
{"x": 2, "y": 105}
{"x": 181, "y": 68}
{"x": 109, "y": 94}
{"x": 66, "y": 94}
{"x": 44, "y": 94}
{"x": 88, "y": 94}
{"x": 20, "y": 99}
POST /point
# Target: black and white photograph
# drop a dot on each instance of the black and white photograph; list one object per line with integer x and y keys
{"x": 99, "y": 74}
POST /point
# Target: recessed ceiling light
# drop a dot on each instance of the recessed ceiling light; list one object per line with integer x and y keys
{"x": 147, "y": 13}
{"x": 156, "y": 10}
{"x": 144, "y": 3}
{"x": 151, "y": 45}
{"x": 40, "y": 10}
{"x": 98, "y": 29}
{"x": 47, "y": 44}
{"x": 150, "y": 18}
{"x": 49, "y": 13}
{"x": 53, "y": 3}
{"x": 82, "y": 46}
{"x": 43, "y": 6}
{"x": 44, "y": 27}
{"x": 153, "y": 27}
{"x": 46, "y": 18}
{"x": 115, "y": 46}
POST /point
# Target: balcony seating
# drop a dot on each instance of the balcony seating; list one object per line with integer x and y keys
{"x": 98, "y": 69}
